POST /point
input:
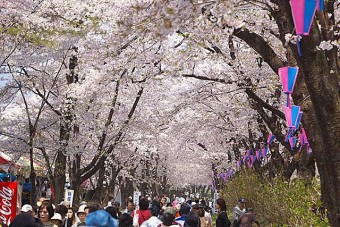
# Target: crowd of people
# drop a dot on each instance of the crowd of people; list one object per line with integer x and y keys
{"x": 159, "y": 212}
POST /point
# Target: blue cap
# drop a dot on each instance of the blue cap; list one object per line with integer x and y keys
{"x": 100, "y": 218}
{"x": 241, "y": 200}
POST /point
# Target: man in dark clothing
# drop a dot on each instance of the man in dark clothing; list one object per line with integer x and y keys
{"x": 247, "y": 219}
{"x": 185, "y": 209}
{"x": 192, "y": 220}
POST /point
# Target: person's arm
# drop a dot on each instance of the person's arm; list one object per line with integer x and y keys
{"x": 237, "y": 213}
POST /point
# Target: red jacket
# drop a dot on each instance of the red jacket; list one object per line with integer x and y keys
{"x": 143, "y": 215}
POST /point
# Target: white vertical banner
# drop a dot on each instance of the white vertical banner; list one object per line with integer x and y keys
{"x": 136, "y": 195}
{"x": 69, "y": 196}
{"x": 214, "y": 206}
{"x": 19, "y": 201}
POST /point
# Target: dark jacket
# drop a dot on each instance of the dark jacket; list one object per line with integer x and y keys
{"x": 223, "y": 220}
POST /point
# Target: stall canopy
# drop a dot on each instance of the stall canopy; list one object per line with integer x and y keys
{"x": 22, "y": 164}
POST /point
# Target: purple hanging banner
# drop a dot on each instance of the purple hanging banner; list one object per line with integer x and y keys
{"x": 292, "y": 142}
{"x": 270, "y": 139}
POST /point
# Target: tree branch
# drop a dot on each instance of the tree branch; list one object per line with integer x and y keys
{"x": 257, "y": 42}
{"x": 94, "y": 166}
{"x": 10, "y": 53}
{"x": 13, "y": 136}
{"x": 263, "y": 104}
{"x": 46, "y": 157}
{"x": 209, "y": 79}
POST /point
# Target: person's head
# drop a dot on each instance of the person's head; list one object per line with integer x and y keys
{"x": 220, "y": 205}
{"x": 116, "y": 204}
{"x": 163, "y": 201}
{"x": 25, "y": 220}
{"x": 46, "y": 212}
{"x": 177, "y": 207}
{"x": 130, "y": 205}
{"x": 143, "y": 203}
{"x": 91, "y": 208}
{"x": 41, "y": 200}
{"x": 57, "y": 219}
{"x": 185, "y": 209}
{"x": 62, "y": 210}
{"x": 169, "y": 210}
{"x": 155, "y": 208}
{"x": 70, "y": 214}
{"x": 192, "y": 220}
{"x": 27, "y": 209}
{"x": 194, "y": 208}
{"x": 100, "y": 218}
{"x": 242, "y": 203}
{"x": 81, "y": 213}
{"x": 112, "y": 211}
{"x": 201, "y": 211}
{"x": 125, "y": 220}
{"x": 168, "y": 219}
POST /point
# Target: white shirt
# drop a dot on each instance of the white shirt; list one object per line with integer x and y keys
{"x": 207, "y": 215}
{"x": 237, "y": 213}
{"x": 151, "y": 222}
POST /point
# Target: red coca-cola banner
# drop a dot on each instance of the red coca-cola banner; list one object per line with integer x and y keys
{"x": 8, "y": 201}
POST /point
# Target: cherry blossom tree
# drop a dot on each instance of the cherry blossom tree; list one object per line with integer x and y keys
{"x": 208, "y": 72}
{"x": 266, "y": 27}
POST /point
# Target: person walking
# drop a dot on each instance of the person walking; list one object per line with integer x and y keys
{"x": 153, "y": 221}
{"x": 239, "y": 210}
{"x": 222, "y": 218}
{"x": 143, "y": 212}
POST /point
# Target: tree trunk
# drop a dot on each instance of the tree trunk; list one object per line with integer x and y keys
{"x": 127, "y": 187}
{"x": 60, "y": 163}
{"x": 75, "y": 185}
{"x": 66, "y": 122}
{"x": 323, "y": 87}
{"x": 112, "y": 184}
{"x": 59, "y": 176}
{"x": 99, "y": 191}
{"x": 33, "y": 193}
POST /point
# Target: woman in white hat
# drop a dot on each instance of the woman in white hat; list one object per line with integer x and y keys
{"x": 57, "y": 220}
{"x": 81, "y": 215}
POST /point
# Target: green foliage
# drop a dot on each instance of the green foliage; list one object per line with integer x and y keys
{"x": 39, "y": 37}
{"x": 275, "y": 201}
{"x": 214, "y": 217}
